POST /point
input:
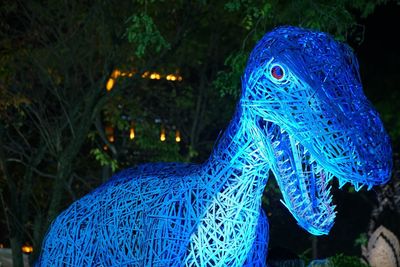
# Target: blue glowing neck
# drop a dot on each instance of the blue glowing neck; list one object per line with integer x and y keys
{"x": 238, "y": 157}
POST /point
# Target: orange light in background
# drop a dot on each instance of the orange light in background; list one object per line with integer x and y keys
{"x": 110, "y": 84}
{"x": 177, "y": 136}
{"x": 105, "y": 147}
{"x": 162, "y": 135}
{"x": 116, "y": 73}
{"x": 1, "y": 245}
{"x": 110, "y": 133}
{"x": 158, "y": 76}
{"x": 130, "y": 74}
{"x": 155, "y": 76}
{"x": 27, "y": 249}
{"x": 131, "y": 133}
{"x": 171, "y": 77}
{"x": 145, "y": 74}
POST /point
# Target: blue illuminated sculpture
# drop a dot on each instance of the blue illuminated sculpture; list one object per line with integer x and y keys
{"x": 302, "y": 115}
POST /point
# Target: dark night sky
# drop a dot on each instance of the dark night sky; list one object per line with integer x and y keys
{"x": 379, "y": 54}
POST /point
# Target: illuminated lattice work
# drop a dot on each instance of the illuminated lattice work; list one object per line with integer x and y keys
{"x": 302, "y": 115}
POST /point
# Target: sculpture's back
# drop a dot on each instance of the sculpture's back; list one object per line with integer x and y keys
{"x": 141, "y": 217}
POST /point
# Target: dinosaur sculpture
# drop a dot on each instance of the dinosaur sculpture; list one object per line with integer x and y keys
{"x": 302, "y": 115}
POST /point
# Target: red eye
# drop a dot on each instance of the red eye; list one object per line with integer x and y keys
{"x": 277, "y": 72}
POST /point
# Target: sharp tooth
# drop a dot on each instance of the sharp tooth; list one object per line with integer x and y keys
{"x": 342, "y": 182}
{"x": 358, "y": 186}
{"x": 319, "y": 169}
{"x": 327, "y": 191}
{"x": 369, "y": 187}
{"x": 332, "y": 217}
{"x": 329, "y": 177}
{"x": 293, "y": 190}
{"x": 320, "y": 217}
{"x": 295, "y": 199}
{"x": 276, "y": 143}
{"x": 329, "y": 199}
{"x": 283, "y": 130}
{"x": 284, "y": 204}
{"x": 303, "y": 211}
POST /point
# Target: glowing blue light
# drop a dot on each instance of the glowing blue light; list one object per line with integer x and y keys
{"x": 302, "y": 115}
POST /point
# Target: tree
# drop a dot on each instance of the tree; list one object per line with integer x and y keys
{"x": 60, "y": 62}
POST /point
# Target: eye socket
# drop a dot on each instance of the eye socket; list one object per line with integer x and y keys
{"x": 277, "y": 72}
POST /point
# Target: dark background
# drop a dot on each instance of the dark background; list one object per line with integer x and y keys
{"x": 57, "y": 57}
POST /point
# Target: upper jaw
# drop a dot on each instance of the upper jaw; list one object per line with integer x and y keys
{"x": 303, "y": 170}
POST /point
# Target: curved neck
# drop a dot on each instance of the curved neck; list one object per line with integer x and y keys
{"x": 233, "y": 178}
{"x": 239, "y": 155}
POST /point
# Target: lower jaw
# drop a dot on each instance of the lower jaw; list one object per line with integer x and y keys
{"x": 306, "y": 197}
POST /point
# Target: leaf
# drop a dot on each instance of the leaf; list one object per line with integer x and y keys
{"x": 228, "y": 82}
{"x": 144, "y": 34}
{"x": 104, "y": 159}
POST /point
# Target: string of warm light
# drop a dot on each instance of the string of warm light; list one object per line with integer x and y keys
{"x": 109, "y": 132}
{"x": 177, "y": 136}
{"x": 162, "y": 135}
{"x": 146, "y": 75}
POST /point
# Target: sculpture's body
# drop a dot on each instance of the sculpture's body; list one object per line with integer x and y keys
{"x": 302, "y": 115}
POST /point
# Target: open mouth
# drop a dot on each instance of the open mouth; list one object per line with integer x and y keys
{"x": 303, "y": 181}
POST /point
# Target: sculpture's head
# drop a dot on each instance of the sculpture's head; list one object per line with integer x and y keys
{"x": 303, "y": 90}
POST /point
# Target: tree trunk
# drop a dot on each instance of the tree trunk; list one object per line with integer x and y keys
{"x": 12, "y": 211}
{"x": 314, "y": 245}
{"x": 17, "y": 256}
{"x": 105, "y": 173}
{"x": 38, "y": 235}
{"x": 56, "y": 198}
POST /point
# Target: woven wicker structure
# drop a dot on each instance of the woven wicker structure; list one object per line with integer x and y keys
{"x": 302, "y": 115}
{"x": 383, "y": 249}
